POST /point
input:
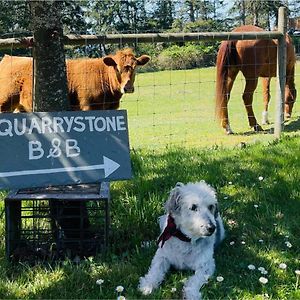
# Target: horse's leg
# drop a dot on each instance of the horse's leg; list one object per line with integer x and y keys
{"x": 290, "y": 91}
{"x": 266, "y": 98}
{"x": 250, "y": 87}
{"x": 232, "y": 73}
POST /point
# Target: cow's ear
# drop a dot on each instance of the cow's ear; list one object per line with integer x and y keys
{"x": 109, "y": 61}
{"x": 142, "y": 60}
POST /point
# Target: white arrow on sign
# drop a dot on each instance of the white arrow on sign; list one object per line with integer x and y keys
{"x": 109, "y": 166}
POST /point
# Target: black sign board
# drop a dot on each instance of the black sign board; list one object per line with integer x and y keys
{"x": 60, "y": 148}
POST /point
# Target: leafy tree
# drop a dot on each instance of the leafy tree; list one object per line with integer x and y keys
{"x": 294, "y": 8}
{"x": 14, "y": 22}
{"x": 73, "y": 17}
{"x": 164, "y": 14}
{"x": 257, "y": 12}
{"x": 192, "y": 9}
{"x": 117, "y": 16}
{"x": 204, "y": 10}
{"x": 14, "y": 17}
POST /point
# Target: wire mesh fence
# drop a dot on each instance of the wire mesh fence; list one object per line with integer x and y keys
{"x": 173, "y": 105}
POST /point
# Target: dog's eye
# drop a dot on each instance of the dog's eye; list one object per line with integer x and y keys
{"x": 211, "y": 207}
{"x": 194, "y": 207}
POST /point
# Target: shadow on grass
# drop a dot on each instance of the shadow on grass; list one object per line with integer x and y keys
{"x": 267, "y": 176}
{"x": 276, "y": 196}
{"x": 253, "y": 132}
{"x": 293, "y": 125}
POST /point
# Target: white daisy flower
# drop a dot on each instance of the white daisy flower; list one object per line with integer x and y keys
{"x": 264, "y": 272}
{"x": 232, "y": 243}
{"x": 261, "y": 269}
{"x": 121, "y": 298}
{"x": 260, "y": 241}
{"x": 263, "y": 280}
{"x": 260, "y": 178}
{"x": 255, "y": 206}
{"x": 251, "y": 267}
{"x": 119, "y": 289}
{"x": 99, "y": 281}
{"x": 146, "y": 244}
{"x": 297, "y": 272}
{"x": 230, "y": 182}
{"x": 173, "y": 290}
{"x": 220, "y": 278}
{"x": 282, "y": 266}
{"x": 288, "y": 244}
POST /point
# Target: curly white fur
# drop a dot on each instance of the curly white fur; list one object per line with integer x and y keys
{"x": 194, "y": 209}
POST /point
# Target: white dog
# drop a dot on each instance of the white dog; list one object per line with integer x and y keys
{"x": 191, "y": 230}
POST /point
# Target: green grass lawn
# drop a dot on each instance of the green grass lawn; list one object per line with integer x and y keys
{"x": 257, "y": 187}
{"x": 177, "y": 108}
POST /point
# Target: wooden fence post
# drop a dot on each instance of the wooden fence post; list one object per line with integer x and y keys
{"x": 281, "y": 72}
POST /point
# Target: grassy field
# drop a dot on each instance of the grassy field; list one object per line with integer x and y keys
{"x": 177, "y": 108}
{"x": 257, "y": 187}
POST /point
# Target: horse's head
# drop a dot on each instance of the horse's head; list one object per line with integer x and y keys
{"x": 290, "y": 98}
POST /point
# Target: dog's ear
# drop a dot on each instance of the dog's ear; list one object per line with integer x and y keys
{"x": 172, "y": 205}
{"x": 216, "y": 211}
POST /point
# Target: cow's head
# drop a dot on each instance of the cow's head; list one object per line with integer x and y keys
{"x": 125, "y": 63}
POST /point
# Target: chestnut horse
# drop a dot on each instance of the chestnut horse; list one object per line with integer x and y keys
{"x": 254, "y": 58}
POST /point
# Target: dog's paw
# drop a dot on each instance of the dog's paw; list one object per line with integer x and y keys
{"x": 146, "y": 290}
{"x": 144, "y": 287}
{"x": 191, "y": 294}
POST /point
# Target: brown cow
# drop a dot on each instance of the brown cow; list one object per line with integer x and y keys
{"x": 93, "y": 83}
{"x": 14, "y": 71}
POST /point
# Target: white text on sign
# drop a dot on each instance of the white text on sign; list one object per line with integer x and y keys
{"x": 70, "y": 149}
{"x": 61, "y": 124}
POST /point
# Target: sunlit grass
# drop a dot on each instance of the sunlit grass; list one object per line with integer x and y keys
{"x": 257, "y": 186}
{"x": 258, "y": 191}
{"x": 177, "y": 108}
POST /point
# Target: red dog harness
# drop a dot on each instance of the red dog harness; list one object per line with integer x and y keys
{"x": 171, "y": 230}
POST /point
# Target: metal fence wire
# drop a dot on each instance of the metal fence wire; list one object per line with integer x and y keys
{"x": 176, "y": 106}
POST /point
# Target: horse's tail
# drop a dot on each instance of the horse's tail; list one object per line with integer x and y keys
{"x": 226, "y": 57}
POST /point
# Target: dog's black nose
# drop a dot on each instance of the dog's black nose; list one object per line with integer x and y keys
{"x": 211, "y": 228}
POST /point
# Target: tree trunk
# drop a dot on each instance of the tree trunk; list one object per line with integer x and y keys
{"x": 243, "y": 16}
{"x": 50, "y": 94}
{"x": 50, "y": 84}
{"x": 191, "y": 9}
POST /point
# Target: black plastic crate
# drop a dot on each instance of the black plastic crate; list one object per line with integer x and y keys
{"x": 57, "y": 222}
